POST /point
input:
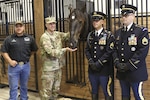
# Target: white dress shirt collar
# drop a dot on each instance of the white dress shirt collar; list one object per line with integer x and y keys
{"x": 99, "y": 31}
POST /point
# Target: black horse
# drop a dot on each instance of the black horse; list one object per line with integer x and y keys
{"x": 79, "y": 21}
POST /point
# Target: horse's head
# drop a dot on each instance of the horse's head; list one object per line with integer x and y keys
{"x": 78, "y": 20}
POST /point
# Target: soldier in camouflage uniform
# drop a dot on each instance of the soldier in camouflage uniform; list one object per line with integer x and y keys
{"x": 52, "y": 52}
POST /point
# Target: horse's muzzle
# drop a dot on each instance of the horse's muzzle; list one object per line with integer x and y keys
{"x": 73, "y": 45}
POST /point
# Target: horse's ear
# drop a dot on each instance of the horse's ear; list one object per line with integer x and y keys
{"x": 84, "y": 8}
{"x": 70, "y": 8}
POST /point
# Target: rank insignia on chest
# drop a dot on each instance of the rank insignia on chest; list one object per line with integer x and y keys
{"x": 144, "y": 41}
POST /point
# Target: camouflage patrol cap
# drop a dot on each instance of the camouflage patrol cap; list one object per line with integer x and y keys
{"x": 127, "y": 8}
{"x": 50, "y": 20}
{"x": 19, "y": 23}
{"x": 96, "y": 15}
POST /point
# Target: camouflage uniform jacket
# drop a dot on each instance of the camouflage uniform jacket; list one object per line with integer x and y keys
{"x": 51, "y": 50}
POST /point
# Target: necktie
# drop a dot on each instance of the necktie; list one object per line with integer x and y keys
{"x": 125, "y": 28}
{"x": 96, "y": 33}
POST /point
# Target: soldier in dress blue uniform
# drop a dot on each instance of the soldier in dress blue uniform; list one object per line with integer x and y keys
{"x": 131, "y": 48}
{"x": 98, "y": 52}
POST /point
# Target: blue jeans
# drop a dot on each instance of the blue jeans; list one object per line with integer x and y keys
{"x": 17, "y": 74}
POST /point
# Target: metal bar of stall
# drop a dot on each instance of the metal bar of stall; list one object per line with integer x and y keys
{"x": 137, "y": 13}
{"x": 102, "y": 5}
{"x": 27, "y": 17}
{"x": 147, "y": 13}
{"x": 24, "y": 13}
{"x": 6, "y": 25}
{"x": 56, "y": 14}
{"x": 63, "y": 22}
{"x": 78, "y": 65}
{"x": 118, "y": 9}
{"x": 73, "y": 67}
{"x": 114, "y": 15}
{"x": 29, "y": 20}
{"x": 83, "y": 66}
{"x": 141, "y": 12}
{"x": 59, "y": 3}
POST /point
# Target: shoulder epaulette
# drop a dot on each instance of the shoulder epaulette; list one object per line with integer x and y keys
{"x": 108, "y": 32}
{"x": 142, "y": 27}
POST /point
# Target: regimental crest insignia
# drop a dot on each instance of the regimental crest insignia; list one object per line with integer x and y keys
{"x": 144, "y": 41}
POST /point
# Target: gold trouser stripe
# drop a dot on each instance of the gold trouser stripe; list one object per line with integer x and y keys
{"x": 109, "y": 86}
{"x": 140, "y": 91}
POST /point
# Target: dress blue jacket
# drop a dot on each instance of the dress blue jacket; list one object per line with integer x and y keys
{"x": 100, "y": 48}
{"x": 132, "y": 47}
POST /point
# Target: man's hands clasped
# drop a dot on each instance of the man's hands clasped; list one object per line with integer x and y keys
{"x": 122, "y": 67}
{"x": 95, "y": 66}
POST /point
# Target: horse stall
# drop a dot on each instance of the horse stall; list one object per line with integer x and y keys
{"x": 75, "y": 82}
{"x": 11, "y": 11}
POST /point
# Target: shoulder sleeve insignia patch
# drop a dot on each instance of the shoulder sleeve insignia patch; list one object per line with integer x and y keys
{"x": 144, "y": 29}
{"x": 144, "y": 41}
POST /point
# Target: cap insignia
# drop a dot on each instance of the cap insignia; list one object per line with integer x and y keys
{"x": 123, "y": 6}
{"x": 95, "y": 13}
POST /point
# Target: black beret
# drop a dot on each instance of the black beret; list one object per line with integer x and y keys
{"x": 127, "y": 8}
{"x": 98, "y": 15}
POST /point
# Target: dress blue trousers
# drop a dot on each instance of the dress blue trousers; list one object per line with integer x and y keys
{"x": 136, "y": 88}
{"x": 19, "y": 73}
{"x": 103, "y": 81}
